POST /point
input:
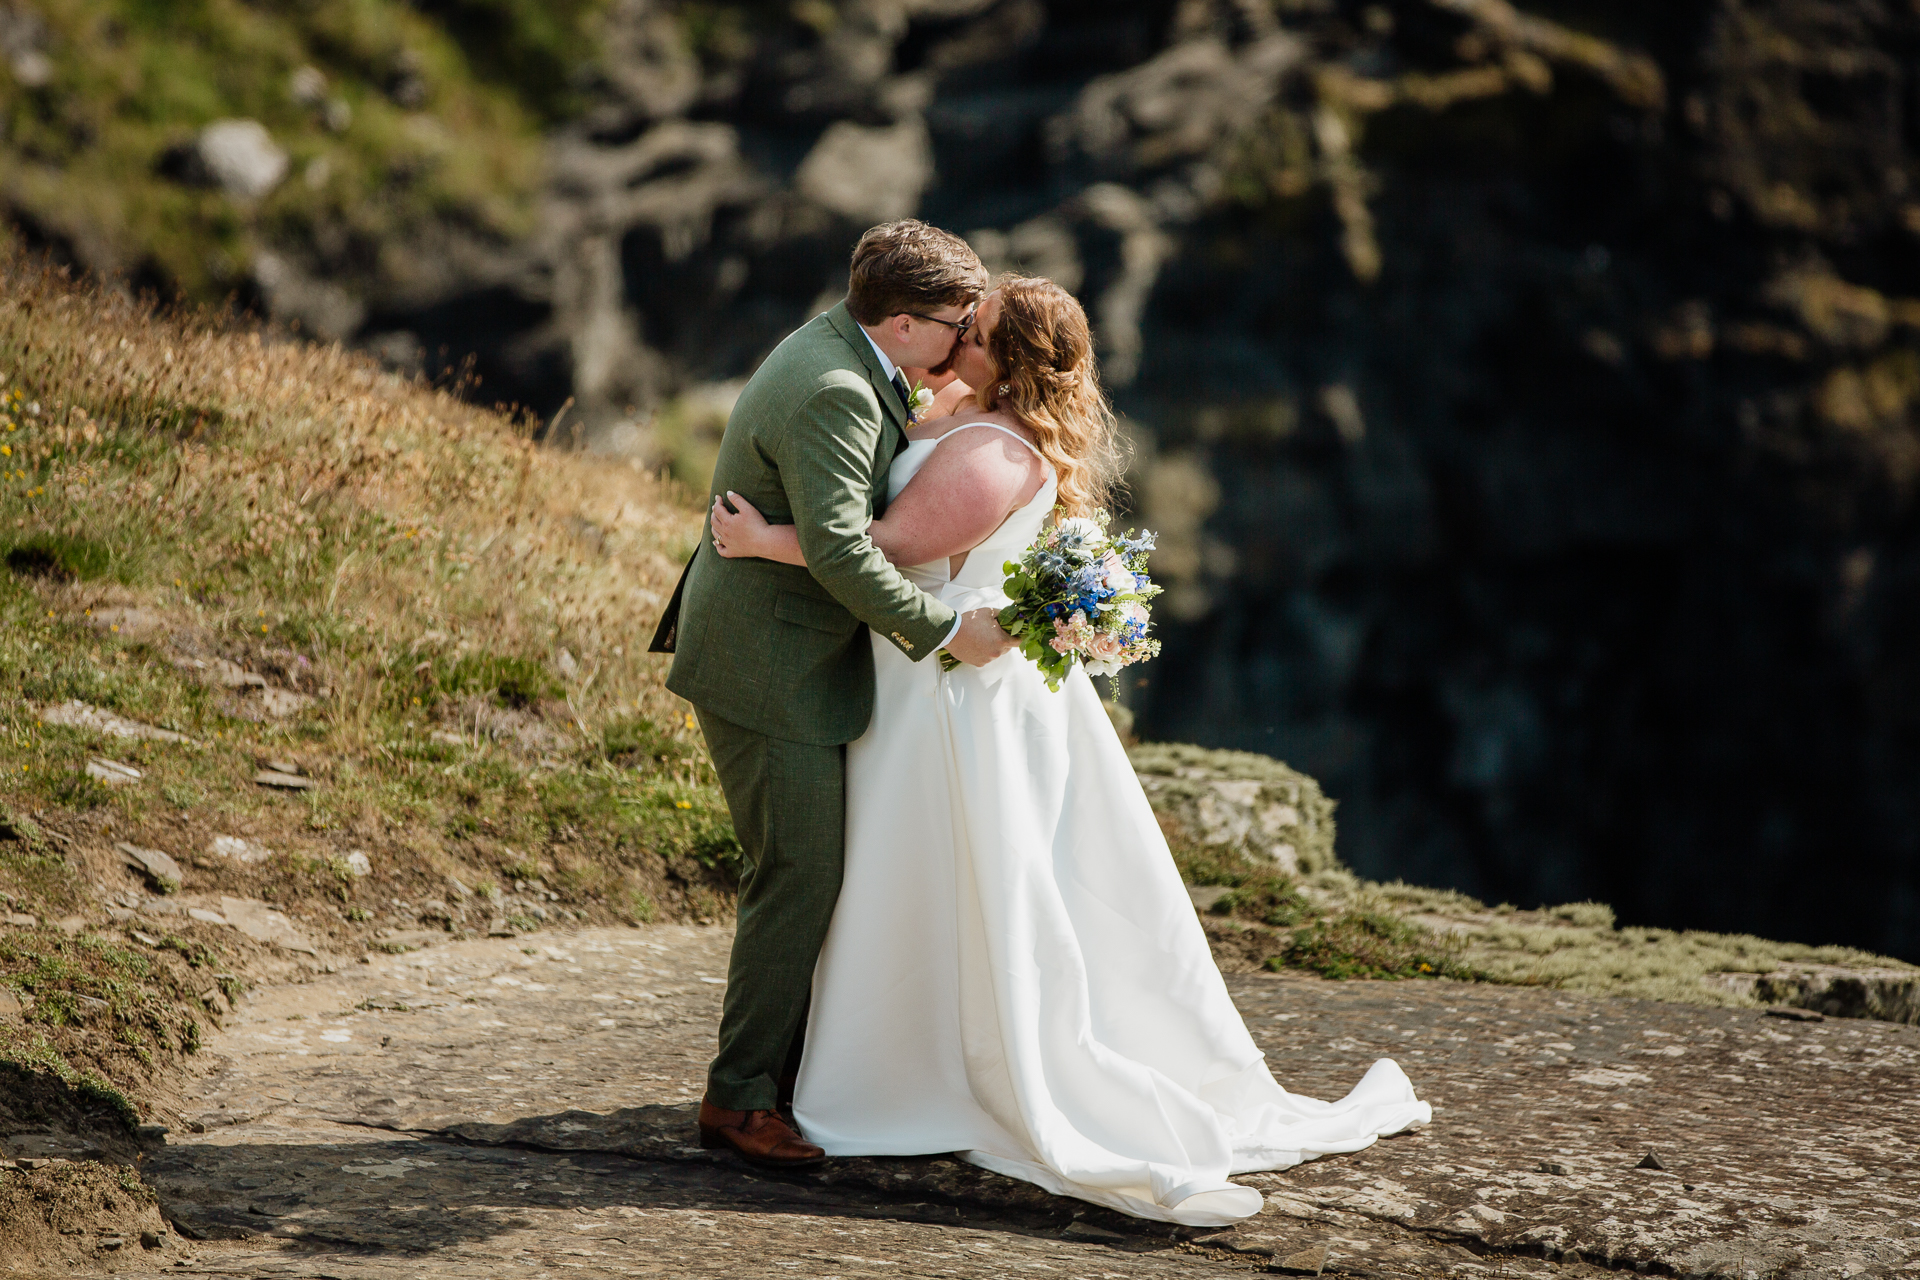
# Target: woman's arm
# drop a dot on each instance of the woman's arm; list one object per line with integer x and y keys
{"x": 962, "y": 493}
{"x": 959, "y": 496}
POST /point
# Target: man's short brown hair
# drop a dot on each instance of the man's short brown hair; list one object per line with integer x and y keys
{"x": 909, "y": 266}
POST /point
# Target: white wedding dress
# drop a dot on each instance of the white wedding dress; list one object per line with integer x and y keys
{"x": 1015, "y": 972}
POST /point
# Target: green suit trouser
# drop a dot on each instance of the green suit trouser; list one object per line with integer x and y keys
{"x": 788, "y": 801}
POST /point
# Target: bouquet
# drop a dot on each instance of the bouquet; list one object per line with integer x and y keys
{"x": 1080, "y": 595}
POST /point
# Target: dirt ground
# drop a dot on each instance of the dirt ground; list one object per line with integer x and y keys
{"x": 523, "y": 1107}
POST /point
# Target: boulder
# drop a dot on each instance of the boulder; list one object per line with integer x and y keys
{"x": 159, "y": 868}
{"x": 869, "y": 173}
{"x": 1235, "y": 802}
{"x": 240, "y": 157}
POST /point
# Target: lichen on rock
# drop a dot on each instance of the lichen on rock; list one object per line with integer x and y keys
{"x": 1236, "y": 802}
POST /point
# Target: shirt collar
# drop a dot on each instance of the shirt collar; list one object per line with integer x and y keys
{"x": 886, "y": 366}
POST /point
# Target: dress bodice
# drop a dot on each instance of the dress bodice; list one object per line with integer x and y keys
{"x": 981, "y": 579}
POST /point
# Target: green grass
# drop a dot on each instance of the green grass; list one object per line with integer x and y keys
{"x": 1370, "y": 944}
{"x": 108, "y": 1015}
{"x": 509, "y": 680}
{"x": 32, "y": 1051}
{"x": 430, "y": 116}
{"x": 59, "y": 558}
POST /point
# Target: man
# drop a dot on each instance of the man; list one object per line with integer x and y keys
{"x": 775, "y": 658}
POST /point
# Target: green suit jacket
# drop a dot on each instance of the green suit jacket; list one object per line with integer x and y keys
{"x": 780, "y": 649}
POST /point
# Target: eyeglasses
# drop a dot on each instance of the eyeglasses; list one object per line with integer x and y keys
{"x": 959, "y": 327}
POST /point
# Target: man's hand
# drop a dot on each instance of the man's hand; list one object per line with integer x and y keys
{"x": 980, "y": 639}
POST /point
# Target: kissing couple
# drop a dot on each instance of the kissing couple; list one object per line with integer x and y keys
{"x": 959, "y": 926}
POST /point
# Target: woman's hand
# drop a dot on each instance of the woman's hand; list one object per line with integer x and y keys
{"x": 743, "y": 533}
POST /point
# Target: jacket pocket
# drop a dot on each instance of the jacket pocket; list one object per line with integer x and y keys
{"x": 806, "y": 611}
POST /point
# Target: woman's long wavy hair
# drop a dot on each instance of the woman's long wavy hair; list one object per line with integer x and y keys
{"x": 1043, "y": 349}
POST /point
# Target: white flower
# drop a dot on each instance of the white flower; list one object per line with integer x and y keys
{"x": 1095, "y": 667}
{"x": 922, "y": 397}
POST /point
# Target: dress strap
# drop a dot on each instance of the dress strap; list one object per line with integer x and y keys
{"x": 997, "y": 427}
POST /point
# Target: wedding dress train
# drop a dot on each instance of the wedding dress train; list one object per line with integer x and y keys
{"x": 1015, "y": 972}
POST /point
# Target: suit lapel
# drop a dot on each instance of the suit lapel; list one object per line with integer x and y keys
{"x": 849, "y": 330}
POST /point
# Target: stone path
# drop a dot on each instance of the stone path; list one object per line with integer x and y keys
{"x": 524, "y": 1108}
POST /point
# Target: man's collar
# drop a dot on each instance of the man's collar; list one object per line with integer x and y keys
{"x": 851, "y": 332}
{"x": 887, "y": 367}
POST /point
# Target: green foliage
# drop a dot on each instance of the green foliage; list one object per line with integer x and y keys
{"x": 1371, "y": 944}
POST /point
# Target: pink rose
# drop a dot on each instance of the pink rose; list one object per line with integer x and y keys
{"x": 1105, "y": 647}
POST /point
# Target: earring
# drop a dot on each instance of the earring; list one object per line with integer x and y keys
{"x": 1006, "y": 388}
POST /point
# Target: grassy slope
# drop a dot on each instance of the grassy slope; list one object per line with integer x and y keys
{"x": 414, "y": 563}
{"x": 430, "y": 118}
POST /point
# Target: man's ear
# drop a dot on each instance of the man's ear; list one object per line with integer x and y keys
{"x": 902, "y": 326}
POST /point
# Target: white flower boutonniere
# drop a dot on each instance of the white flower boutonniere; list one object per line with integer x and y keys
{"x": 918, "y": 401}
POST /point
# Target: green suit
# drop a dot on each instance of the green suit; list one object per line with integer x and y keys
{"x": 776, "y": 661}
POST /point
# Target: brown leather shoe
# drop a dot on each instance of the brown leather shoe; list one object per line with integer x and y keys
{"x": 758, "y": 1137}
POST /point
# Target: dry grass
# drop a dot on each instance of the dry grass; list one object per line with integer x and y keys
{"x": 471, "y": 610}
{"x": 257, "y": 488}
{"x": 468, "y": 612}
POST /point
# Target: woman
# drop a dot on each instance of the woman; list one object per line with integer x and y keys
{"x": 1014, "y": 971}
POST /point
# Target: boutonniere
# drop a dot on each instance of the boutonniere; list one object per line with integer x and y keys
{"x": 918, "y": 400}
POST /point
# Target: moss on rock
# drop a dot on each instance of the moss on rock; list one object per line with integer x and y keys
{"x": 1239, "y": 806}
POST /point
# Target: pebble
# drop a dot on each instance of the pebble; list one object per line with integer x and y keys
{"x": 1651, "y": 1160}
{"x": 112, "y": 772}
{"x": 1554, "y": 1167}
{"x": 158, "y": 867}
{"x": 79, "y": 715}
{"x": 239, "y": 850}
{"x": 1308, "y": 1262}
{"x": 1793, "y": 1013}
{"x": 1078, "y": 1230}
{"x": 284, "y": 781}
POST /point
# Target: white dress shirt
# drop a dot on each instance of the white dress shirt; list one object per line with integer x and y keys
{"x": 888, "y": 368}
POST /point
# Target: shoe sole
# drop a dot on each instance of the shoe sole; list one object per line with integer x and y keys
{"x": 711, "y": 1140}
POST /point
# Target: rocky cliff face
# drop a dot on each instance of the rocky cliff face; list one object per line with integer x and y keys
{"x": 1524, "y": 394}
